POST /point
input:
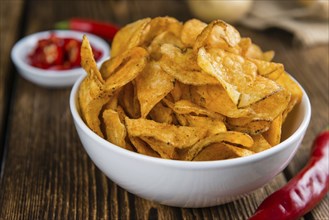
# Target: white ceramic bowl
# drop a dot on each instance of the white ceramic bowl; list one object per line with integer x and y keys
{"x": 192, "y": 184}
{"x": 52, "y": 78}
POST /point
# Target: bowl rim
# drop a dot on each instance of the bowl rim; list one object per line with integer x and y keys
{"x": 52, "y": 74}
{"x": 195, "y": 165}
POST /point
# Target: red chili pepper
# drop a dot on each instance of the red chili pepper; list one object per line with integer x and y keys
{"x": 102, "y": 29}
{"x": 304, "y": 191}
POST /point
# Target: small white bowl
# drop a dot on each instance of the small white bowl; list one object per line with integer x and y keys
{"x": 191, "y": 183}
{"x": 53, "y": 78}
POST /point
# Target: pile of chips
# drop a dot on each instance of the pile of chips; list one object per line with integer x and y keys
{"x": 186, "y": 91}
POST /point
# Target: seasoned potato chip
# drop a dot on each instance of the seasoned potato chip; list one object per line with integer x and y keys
{"x": 252, "y": 127}
{"x": 273, "y": 134}
{"x": 161, "y": 113}
{"x": 178, "y": 136}
{"x": 191, "y": 30}
{"x": 217, "y": 34}
{"x": 142, "y": 147}
{"x": 187, "y": 107}
{"x": 296, "y": 92}
{"x": 221, "y": 151}
{"x": 91, "y": 94}
{"x": 129, "y": 36}
{"x": 129, "y": 101}
{"x": 260, "y": 144}
{"x": 160, "y": 25}
{"x": 163, "y": 38}
{"x": 165, "y": 150}
{"x": 115, "y": 130}
{"x": 130, "y": 63}
{"x": 212, "y": 97}
{"x": 232, "y": 137}
{"x": 183, "y": 67}
{"x": 153, "y": 84}
{"x": 214, "y": 125}
{"x": 268, "y": 69}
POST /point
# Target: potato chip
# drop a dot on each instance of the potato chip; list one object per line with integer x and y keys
{"x": 165, "y": 150}
{"x": 91, "y": 95}
{"x": 273, "y": 134}
{"x": 129, "y": 36}
{"x": 153, "y": 84}
{"x": 260, "y": 144}
{"x": 158, "y": 41}
{"x": 160, "y": 25}
{"x": 267, "y": 69}
{"x": 182, "y": 66}
{"x": 212, "y": 97}
{"x": 178, "y": 136}
{"x": 296, "y": 92}
{"x": 190, "y": 31}
{"x": 115, "y": 130}
{"x": 252, "y": 127}
{"x": 232, "y": 137}
{"x": 221, "y": 151}
{"x": 217, "y": 34}
{"x": 130, "y": 64}
{"x": 187, "y": 107}
{"x": 142, "y": 147}
{"x": 161, "y": 113}
{"x": 129, "y": 101}
{"x": 214, "y": 125}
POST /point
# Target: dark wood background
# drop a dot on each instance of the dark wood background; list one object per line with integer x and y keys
{"x": 46, "y": 174}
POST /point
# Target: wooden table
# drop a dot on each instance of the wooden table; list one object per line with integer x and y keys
{"x": 46, "y": 174}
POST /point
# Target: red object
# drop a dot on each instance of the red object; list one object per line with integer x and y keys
{"x": 304, "y": 191}
{"x": 58, "y": 53}
{"x": 105, "y": 30}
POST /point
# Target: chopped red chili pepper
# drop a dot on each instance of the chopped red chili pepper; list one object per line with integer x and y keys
{"x": 304, "y": 191}
{"x": 58, "y": 53}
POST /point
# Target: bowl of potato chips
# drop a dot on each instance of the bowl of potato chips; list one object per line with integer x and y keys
{"x": 188, "y": 114}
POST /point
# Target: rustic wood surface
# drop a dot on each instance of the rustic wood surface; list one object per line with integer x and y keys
{"x": 46, "y": 174}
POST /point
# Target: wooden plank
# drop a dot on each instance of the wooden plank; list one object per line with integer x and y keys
{"x": 10, "y": 16}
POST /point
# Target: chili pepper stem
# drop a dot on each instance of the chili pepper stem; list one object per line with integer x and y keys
{"x": 62, "y": 25}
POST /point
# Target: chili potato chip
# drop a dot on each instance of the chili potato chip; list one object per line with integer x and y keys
{"x": 115, "y": 130}
{"x": 161, "y": 113}
{"x": 158, "y": 41}
{"x": 221, "y": 151}
{"x": 165, "y": 150}
{"x": 212, "y": 97}
{"x": 217, "y": 34}
{"x": 191, "y": 30}
{"x": 273, "y": 134}
{"x": 252, "y": 127}
{"x": 182, "y": 66}
{"x": 260, "y": 143}
{"x": 142, "y": 147}
{"x": 160, "y": 25}
{"x": 178, "y": 136}
{"x": 296, "y": 92}
{"x": 129, "y": 36}
{"x": 232, "y": 137}
{"x": 153, "y": 84}
{"x": 129, "y": 101}
{"x": 130, "y": 64}
{"x": 214, "y": 125}
{"x": 91, "y": 95}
